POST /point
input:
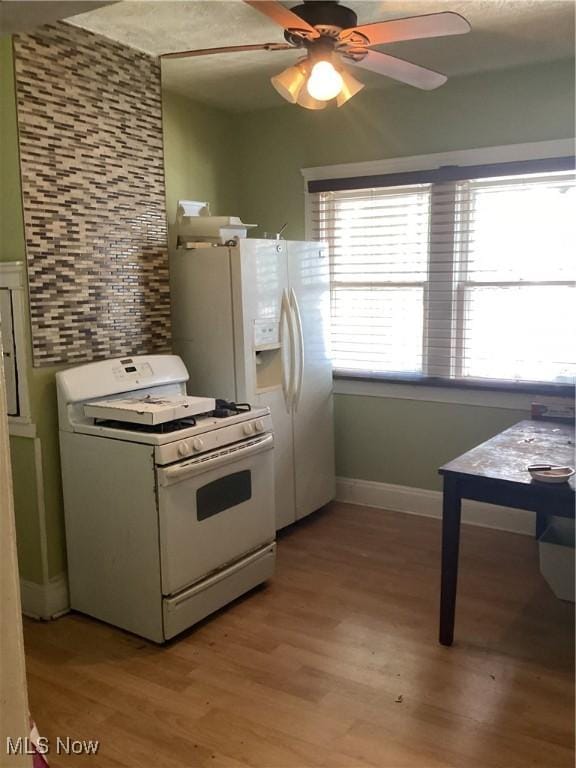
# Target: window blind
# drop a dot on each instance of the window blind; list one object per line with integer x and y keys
{"x": 467, "y": 280}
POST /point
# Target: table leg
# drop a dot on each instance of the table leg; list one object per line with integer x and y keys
{"x": 451, "y": 513}
{"x": 541, "y": 522}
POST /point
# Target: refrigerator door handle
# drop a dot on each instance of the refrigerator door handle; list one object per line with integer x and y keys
{"x": 286, "y": 319}
{"x": 298, "y": 319}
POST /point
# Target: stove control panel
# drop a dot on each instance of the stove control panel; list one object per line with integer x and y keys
{"x": 129, "y": 369}
{"x": 212, "y": 439}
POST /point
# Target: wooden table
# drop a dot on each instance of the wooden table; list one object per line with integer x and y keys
{"x": 495, "y": 472}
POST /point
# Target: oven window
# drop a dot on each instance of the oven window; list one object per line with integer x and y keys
{"x": 223, "y": 493}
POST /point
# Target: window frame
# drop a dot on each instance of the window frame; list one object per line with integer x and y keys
{"x": 444, "y": 171}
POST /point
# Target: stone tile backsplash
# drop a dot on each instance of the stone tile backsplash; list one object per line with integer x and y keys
{"x": 91, "y": 155}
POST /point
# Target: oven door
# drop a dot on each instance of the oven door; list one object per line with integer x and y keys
{"x": 213, "y": 510}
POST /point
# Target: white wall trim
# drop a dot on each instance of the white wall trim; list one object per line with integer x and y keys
{"x": 519, "y": 401}
{"x": 484, "y": 155}
{"x": 419, "y": 501}
{"x": 45, "y": 601}
{"x": 475, "y": 156}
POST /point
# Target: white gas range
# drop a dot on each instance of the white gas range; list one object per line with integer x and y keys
{"x": 169, "y": 499}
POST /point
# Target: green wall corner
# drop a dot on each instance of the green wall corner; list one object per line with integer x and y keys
{"x": 35, "y": 461}
{"x": 200, "y": 157}
{"x": 12, "y": 246}
{"x": 404, "y": 442}
{"x": 26, "y": 508}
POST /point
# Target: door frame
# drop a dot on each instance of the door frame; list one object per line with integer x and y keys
{"x": 14, "y": 715}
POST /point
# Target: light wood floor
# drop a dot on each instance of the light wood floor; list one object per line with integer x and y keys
{"x": 334, "y": 664}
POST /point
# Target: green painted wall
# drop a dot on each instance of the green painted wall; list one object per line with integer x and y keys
{"x": 405, "y": 441}
{"x": 11, "y": 220}
{"x": 12, "y": 248}
{"x": 200, "y": 156}
{"x": 30, "y": 516}
{"x": 43, "y": 396}
{"x": 507, "y": 107}
{"x": 25, "y": 488}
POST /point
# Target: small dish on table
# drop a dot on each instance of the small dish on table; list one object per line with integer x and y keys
{"x": 550, "y": 473}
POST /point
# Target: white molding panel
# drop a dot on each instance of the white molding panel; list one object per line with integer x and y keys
{"x": 45, "y": 601}
{"x": 484, "y": 155}
{"x": 419, "y": 501}
{"x": 517, "y": 401}
{"x": 474, "y": 156}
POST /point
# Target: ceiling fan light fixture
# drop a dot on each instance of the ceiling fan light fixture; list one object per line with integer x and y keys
{"x": 325, "y": 82}
{"x": 350, "y": 87}
{"x": 325, "y": 31}
{"x": 290, "y": 82}
{"x": 308, "y": 102}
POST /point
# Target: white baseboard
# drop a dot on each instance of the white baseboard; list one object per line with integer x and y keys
{"x": 45, "y": 601}
{"x": 418, "y": 501}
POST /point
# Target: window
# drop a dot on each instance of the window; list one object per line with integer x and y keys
{"x": 379, "y": 252}
{"x": 462, "y": 279}
{"x": 515, "y": 313}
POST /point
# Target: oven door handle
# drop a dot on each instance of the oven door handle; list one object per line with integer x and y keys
{"x": 203, "y": 464}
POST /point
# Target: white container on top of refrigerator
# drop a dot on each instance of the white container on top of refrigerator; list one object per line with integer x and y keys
{"x": 251, "y": 323}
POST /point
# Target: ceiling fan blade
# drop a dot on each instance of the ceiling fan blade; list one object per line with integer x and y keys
{"x": 411, "y": 28}
{"x": 284, "y": 17}
{"x": 401, "y": 70}
{"x": 228, "y": 49}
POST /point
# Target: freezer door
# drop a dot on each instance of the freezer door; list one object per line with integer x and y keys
{"x": 313, "y": 426}
{"x": 265, "y": 352}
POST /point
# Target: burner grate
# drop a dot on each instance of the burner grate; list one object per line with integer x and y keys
{"x": 225, "y": 408}
{"x": 156, "y": 429}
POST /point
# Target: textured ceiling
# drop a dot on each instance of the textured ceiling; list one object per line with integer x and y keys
{"x": 25, "y": 15}
{"x": 505, "y": 33}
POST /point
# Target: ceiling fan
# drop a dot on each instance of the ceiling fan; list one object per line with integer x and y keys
{"x": 329, "y": 36}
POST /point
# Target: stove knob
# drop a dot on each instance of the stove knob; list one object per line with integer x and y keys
{"x": 248, "y": 429}
{"x": 198, "y": 444}
{"x": 258, "y": 426}
{"x": 183, "y": 449}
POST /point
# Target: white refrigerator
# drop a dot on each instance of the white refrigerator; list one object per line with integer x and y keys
{"x": 251, "y": 324}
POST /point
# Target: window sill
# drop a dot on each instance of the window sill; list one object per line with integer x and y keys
{"x": 458, "y": 393}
